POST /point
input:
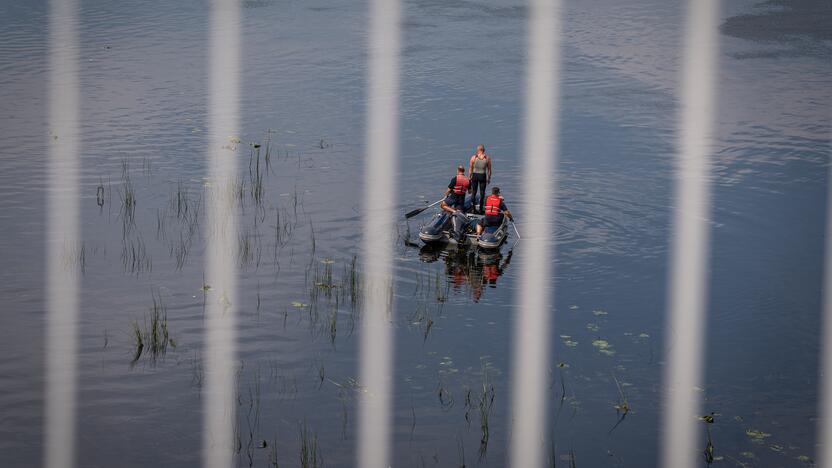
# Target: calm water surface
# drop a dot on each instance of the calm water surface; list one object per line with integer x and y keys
{"x": 143, "y": 70}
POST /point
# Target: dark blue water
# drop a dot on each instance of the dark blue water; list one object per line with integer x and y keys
{"x": 144, "y": 102}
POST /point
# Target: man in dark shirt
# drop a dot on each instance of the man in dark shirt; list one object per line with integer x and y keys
{"x": 454, "y": 202}
{"x": 455, "y": 194}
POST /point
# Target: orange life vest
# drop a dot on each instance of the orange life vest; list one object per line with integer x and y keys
{"x": 492, "y": 205}
{"x": 462, "y": 184}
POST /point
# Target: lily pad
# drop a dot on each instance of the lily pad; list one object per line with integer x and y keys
{"x": 567, "y": 340}
{"x": 604, "y": 347}
{"x": 601, "y": 344}
{"x": 757, "y": 435}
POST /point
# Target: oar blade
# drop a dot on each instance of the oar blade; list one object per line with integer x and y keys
{"x": 413, "y": 213}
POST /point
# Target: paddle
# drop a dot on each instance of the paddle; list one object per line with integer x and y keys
{"x": 413, "y": 213}
{"x": 515, "y": 229}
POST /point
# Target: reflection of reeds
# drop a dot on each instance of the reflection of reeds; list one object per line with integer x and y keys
{"x": 161, "y": 224}
{"x": 446, "y": 398}
{"x": 255, "y": 175}
{"x": 249, "y": 250}
{"x": 128, "y": 199}
{"x": 486, "y": 402}
{"x": 134, "y": 257}
{"x": 460, "y": 447}
{"x": 197, "y": 372}
{"x": 179, "y": 251}
{"x": 75, "y": 255}
{"x": 159, "y": 337}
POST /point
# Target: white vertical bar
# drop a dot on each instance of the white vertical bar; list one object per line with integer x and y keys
{"x": 220, "y": 335}
{"x": 824, "y": 429}
{"x": 687, "y": 298}
{"x": 379, "y": 200}
{"x": 540, "y": 158}
{"x": 63, "y": 236}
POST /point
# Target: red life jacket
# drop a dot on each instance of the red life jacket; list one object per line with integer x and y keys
{"x": 462, "y": 184}
{"x": 492, "y": 205}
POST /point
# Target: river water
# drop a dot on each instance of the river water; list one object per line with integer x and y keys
{"x": 143, "y": 73}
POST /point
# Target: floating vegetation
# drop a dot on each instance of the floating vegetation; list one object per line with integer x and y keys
{"x": 603, "y": 347}
{"x": 568, "y": 341}
{"x": 708, "y": 418}
{"x": 756, "y": 435}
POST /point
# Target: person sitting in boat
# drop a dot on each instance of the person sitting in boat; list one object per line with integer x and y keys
{"x": 480, "y": 171}
{"x": 454, "y": 202}
{"x": 495, "y": 209}
{"x": 455, "y": 194}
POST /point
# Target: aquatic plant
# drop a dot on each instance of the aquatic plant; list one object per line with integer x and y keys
{"x": 154, "y": 337}
{"x": 309, "y": 456}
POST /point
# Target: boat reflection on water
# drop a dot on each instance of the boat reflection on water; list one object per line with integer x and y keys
{"x": 474, "y": 268}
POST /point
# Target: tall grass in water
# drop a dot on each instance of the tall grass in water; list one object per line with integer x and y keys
{"x": 134, "y": 256}
{"x": 159, "y": 337}
{"x": 138, "y": 341}
{"x": 153, "y": 339}
{"x": 128, "y": 199}
{"x": 486, "y": 402}
{"x": 255, "y": 175}
{"x": 309, "y": 456}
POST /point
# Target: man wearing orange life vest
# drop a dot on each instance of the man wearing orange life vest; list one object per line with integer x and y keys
{"x": 455, "y": 195}
{"x": 495, "y": 209}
